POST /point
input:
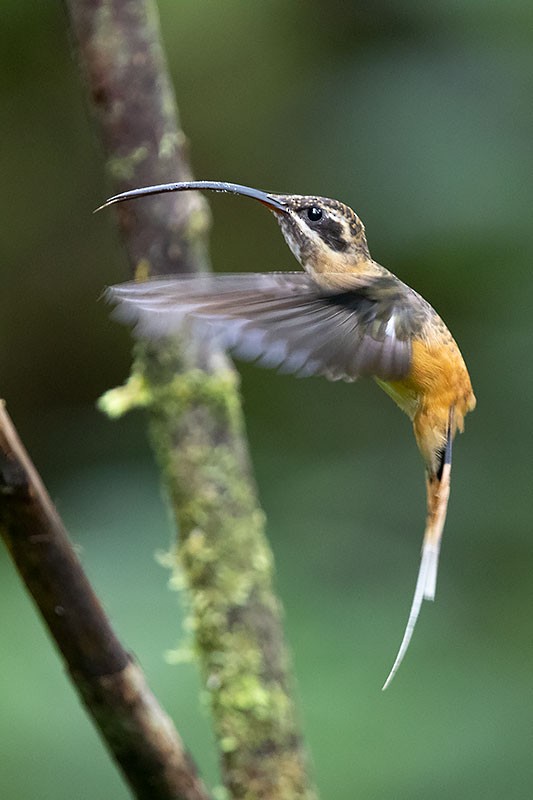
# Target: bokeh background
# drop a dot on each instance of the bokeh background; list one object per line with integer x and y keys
{"x": 418, "y": 115}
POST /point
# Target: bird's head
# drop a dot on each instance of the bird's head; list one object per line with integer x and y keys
{"x": 325, "y": 235}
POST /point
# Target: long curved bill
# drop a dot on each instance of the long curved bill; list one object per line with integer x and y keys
{"x": 272, "y": 201}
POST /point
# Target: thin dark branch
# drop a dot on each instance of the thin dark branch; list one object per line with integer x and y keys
{"x": 138, "y": 733}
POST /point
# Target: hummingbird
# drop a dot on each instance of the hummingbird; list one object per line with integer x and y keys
{"x": 343, "y": 317}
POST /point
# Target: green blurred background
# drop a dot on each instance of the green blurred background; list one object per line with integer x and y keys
{"x": 419, "y": 116}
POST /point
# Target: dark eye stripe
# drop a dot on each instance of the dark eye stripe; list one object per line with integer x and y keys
{"x": 331, "y": 234}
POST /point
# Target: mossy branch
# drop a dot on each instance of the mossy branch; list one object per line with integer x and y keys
{"x": 191, "y": 392}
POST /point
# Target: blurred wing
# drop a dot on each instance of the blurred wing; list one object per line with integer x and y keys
{"x": 282, "y": 320}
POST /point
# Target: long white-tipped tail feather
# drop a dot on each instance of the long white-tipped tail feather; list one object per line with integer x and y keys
{"x": 425, "y": 590}
{"x": 438, "y": 491}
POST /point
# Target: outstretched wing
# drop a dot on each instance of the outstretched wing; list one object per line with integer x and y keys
{"x": 282, "y": 320}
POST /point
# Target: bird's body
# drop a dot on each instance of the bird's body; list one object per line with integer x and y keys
{"x": 344, "y": 317}
{"x": 436, "y": 382}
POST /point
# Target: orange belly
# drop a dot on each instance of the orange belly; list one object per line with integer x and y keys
{"x": 437, "y": 382}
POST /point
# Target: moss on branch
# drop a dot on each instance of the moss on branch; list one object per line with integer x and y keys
{"x": 223, "y": 556}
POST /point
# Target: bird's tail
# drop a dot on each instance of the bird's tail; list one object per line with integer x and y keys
{"x": 438, "y": 492}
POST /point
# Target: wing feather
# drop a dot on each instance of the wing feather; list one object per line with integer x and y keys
{"x": 279, "y": 319}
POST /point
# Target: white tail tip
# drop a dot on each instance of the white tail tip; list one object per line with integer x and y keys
{"x": 426, "y": 585}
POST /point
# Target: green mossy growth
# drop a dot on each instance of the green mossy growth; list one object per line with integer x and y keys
{"x": 223, "y": 559}
{"x": 223, "y": 556}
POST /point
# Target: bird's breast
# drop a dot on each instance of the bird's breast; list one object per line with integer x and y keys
{"x": 439, "y": 377}
{"x": 437, "y": 382}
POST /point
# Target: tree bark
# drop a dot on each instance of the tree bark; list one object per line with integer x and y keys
{"x": 191, "y": 392}
{"x": 138, "y": 733}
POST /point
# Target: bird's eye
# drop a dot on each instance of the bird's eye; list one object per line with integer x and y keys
{"x": 314, "y": 213}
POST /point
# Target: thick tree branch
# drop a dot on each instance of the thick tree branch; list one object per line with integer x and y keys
{"x": 191, "y": 392}
{"x": 138, "y": 733}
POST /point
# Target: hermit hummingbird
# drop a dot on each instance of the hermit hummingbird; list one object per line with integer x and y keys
{"x": 344, "y": 317}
